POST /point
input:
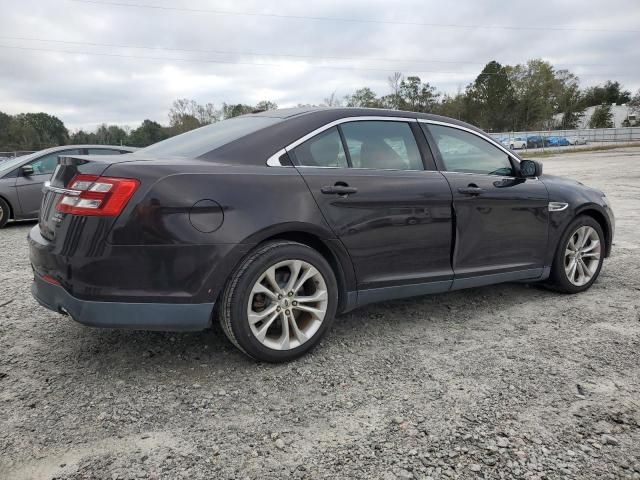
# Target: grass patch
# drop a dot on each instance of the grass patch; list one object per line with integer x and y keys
{"x": 569, "y": 150}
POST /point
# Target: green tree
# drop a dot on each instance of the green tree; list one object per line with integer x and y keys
{"x": 230, "y": 111}
{"x": 453, "y": 106}
{"x": 570, "y": 103}
{"x": 535, "y": 87}
{"x": 148, "y": 133}
{"x": 110, "y": 135}
{"x": 491, "y": 98}
{"x": 611, "y": 93}
{"x": 80, "y": 137}
{"x": 34, "y": 131}
{"x": 266, "y": 105}
{"x": 363, "y": 97}
{"x": 602, "y": 117}
{"x": 5, "y": 121}
{"x": 417, "y": 96}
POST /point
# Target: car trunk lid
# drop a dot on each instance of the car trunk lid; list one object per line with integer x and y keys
{"x": 68, "y": 168}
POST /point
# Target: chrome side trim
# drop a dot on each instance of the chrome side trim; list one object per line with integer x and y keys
{"x": 275, "y": 162}
{"x": 64, "y": 191}
{"x": 558, "y": 206}
{"x": 477, "y": 134}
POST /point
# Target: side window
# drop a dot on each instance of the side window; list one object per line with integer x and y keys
{"x": 47, "y": 164}
{"x": 382, "y": 145}
{"x": 465, "y": 152}
{"x": 323, "y": 150}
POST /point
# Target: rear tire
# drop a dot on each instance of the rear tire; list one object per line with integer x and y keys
{"x": 579, "y": 256}
{"x": 279, "y": 302}
{"x": 5, "y": 213}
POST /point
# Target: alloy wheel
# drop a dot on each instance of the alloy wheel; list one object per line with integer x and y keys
{"x": 287, "y": 304}
{"x": 582, "y": 255}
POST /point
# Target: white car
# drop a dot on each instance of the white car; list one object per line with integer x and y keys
{"x": 517, "y": 143}
{"x": 577, "y": 140}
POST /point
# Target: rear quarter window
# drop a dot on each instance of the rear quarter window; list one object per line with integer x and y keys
{"x": 205, "y": 139}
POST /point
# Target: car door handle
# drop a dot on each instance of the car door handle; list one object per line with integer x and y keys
{"x": 471, "y": 190}
{"x": 338, "y": 190}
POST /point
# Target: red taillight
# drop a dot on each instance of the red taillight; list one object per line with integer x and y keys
{"x": 99, "y": 196}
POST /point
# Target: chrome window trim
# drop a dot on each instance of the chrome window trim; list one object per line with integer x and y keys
{"x": 477, "y": 134}
{"x": 274, "y": 160}
{"x": 483, "y": 174}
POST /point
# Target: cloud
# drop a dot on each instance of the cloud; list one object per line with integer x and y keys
{"x": 237, "y": 58}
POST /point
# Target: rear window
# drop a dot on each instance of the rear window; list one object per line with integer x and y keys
{"x": 205, "y": 139}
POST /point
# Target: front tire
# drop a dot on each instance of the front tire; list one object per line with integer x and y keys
{"x": 4, "y": 213}
{"x": 579, "y": 256}
{"x": 279, "y": 302}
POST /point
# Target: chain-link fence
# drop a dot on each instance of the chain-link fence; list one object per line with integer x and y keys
{"x": 562, "y": 139}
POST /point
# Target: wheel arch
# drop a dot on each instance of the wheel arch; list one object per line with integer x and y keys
{"x": 333, "y": 252}
{"x": 599, "y": 217}
{"x": 12, "y": 214}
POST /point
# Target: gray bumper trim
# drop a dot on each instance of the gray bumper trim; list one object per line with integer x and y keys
{"x": 137, "y": 316}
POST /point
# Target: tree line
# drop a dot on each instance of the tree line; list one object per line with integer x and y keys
{"x": 527, "y": 96}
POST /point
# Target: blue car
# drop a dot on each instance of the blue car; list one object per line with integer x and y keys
{"x": 557, "y": 141}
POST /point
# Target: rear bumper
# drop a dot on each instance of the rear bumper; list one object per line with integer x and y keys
{"x": 137, "y": 316}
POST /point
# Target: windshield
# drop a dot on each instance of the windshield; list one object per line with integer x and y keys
{"x": 202, "y": 140}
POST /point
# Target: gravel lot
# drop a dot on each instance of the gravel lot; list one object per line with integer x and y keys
{"x": 509, "y": 381}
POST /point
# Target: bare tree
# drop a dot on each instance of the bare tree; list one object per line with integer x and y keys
{"x": 332, "y": 100}
{"x": 395, "y": 82}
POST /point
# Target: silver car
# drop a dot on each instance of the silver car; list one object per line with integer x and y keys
{"x": 21, "y": 178}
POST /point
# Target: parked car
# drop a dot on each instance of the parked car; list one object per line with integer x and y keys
{"x": 535, "y": 141}
{"x": 554, "y": 141}
{"x": 275, "y": 222}
{"x": 22, "y": 178}
{"x": 517, "y": 143}
{"x": 577, "y": 140}
{"x": 513, "y": 143}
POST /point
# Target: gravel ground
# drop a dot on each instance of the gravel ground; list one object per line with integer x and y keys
{"x": 509, "y": 381}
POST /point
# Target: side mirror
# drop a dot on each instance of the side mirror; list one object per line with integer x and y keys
{"x": 27, "y": 170}
{"x": 530, "y": 168}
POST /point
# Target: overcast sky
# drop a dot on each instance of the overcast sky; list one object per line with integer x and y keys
{"x": 261, "y": 50}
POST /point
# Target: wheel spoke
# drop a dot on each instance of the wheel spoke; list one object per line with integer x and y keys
{"x": 310, "y": 272}
{"x": 583, "y": 237}
{"x": 255, "y": 317}
{"x": 316, "y": 312}
{"x": 316, "y": 297}
{"x": 270, "y": 275}
{"x": 585, "y": 268}
{"x": 297, "y": 333}
{"x": 572, "y": 270}
{"x": 260, "y": 288}
{"x": 262, "y": 332}
{"x": 592, "y": 245}
{"x": 580, "y": 270}
{"x": 284, "y": 337}
{"x": 294, "y": 268}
